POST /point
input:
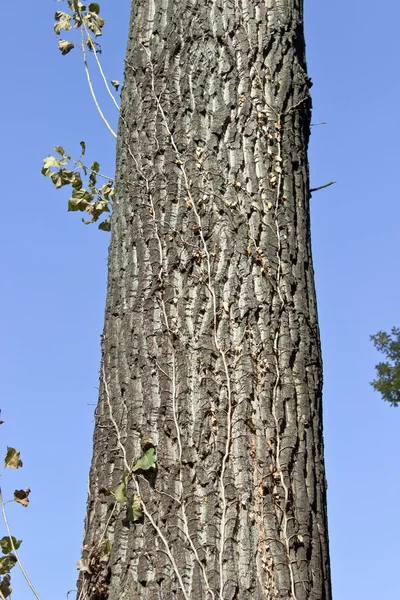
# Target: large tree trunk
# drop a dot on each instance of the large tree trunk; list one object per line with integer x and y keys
{"x": 211, "y": 349}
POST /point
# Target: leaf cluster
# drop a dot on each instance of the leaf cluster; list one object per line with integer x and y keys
{"x": 388, "y": 372}
{"x": 144, "y": 465}
{"x": 91, "y": 199}
{"x": 79, "y": 15}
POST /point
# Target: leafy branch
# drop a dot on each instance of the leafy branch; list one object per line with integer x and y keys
{"x": 92, "y": 199}
{"x": 89, "y": 21}
{"x": 9, "y": 544}
{"x": 388, "y": 380}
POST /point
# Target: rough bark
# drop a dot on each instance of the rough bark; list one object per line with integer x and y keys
{"x": 211, "y": 344}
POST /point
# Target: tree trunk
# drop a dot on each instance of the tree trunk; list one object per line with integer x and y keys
{"x": 211, "y": 350}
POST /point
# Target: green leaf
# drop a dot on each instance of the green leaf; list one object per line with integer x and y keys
{"x": 65, "y": 46}
{"x": 95, "y": 166}
{"x": 77, "y": 181}
{"x": 105, "y": 225}
{"x": 12, "y": 458}
{"x": 120, "y": 493}
{"x": 62, "y": 177}
{"x": 83, "y": 146}
{"x": 106, "y": 547}
{"x": 5, "y": 587}
{"x": 75, "y": 204}
{"x": 5, "y": 544}
{"x": 7, "y": 563}
{"x": 148, "y": 461}
{"x": 115, "y": 83}
{"x": 94, "y": 7}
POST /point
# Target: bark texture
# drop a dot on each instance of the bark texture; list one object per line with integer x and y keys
{"x": 211, "y": 344}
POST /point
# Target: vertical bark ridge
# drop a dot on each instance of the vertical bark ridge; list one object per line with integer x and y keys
{"x": 211, "y": 344}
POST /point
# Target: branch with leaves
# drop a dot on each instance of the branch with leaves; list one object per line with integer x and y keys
{"x": 92, "y": 199}
{"x": 388, "y": 380}
{"x": 9, "y": 545}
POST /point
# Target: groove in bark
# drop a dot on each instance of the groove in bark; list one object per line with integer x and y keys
{"x": 211, "y": 343}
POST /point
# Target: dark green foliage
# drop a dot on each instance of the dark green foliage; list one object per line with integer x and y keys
{"x": 388, "y": 380}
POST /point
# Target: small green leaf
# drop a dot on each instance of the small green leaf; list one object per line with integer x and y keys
{"x": 7, "y": 563}
{"x": 148, "y": 461}
{"x": 75, "y": 204}
{"x": 94, "y": 7}
{"x": 77, "y": 181}
{"x": 5, "y": 587}
{"x": 115, "y": 83}
{"x": 5, "y": 544}
{"x": 65, "y": 46}
{"x": 105, "y": 225}
{"x": 12, "y": 458}
{"x": 83, "y": 146}
{"x": 62, "y": 177}
{"x": 120, "y": 493}
{"x": 95, "y": 166}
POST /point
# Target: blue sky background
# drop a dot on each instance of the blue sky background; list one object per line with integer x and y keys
{"x": 54, "y": 283}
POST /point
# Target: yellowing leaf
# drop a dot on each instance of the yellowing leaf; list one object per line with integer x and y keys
{"x": 21, "y": 496}
{"x": 12, "y": 458}
{"x": 62, "y": 22}
{"x": 65, "y": 46}
{"x": 136, "y": 507}
{"x": 120, "y": 493}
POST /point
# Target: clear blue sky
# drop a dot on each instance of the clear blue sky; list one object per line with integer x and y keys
{"x": 54, "y": 282}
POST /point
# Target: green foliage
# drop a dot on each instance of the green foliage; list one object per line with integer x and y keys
{"x": 388, "y": 380}
{"x": 79, "y": 16}
{"x": 147, "y": 462}
{"x": 93, "y": 200}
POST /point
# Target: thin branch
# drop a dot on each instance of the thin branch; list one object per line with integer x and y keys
{"x": 76, "y": 162}
{"x": 321, "y": 187}
{"x": 110, "y": 129}
{"x": 28, "y": 581}
{"x": 93, "y": 43}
